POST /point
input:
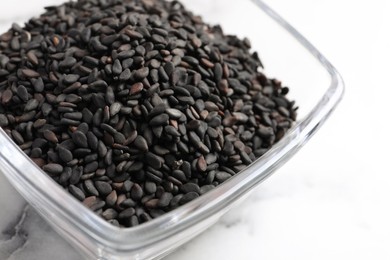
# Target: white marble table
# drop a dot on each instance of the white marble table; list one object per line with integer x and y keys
{"x": 329, "y": 202}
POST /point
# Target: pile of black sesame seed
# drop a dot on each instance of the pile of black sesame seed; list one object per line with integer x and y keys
{"x": 136, "y": 107}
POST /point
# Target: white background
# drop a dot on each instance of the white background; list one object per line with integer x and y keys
{"x": 331, "y": 201}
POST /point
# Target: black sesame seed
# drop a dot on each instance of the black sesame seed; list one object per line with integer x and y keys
{"x": 76, "y": 192}
{"x": 64, "y": 154}
{"x": 136, "y": 107}
{"x": 80, "y": 139}
{"x": 53, "y": 168}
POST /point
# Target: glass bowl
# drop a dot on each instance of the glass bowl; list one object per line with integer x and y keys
{"x": 315, "y": 85}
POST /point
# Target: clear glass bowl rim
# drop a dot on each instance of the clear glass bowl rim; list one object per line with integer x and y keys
{"x": 51, "y": 199}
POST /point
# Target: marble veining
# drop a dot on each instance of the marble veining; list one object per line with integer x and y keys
{"x": 24, "y": 235}
{"x": 14, "y": 236}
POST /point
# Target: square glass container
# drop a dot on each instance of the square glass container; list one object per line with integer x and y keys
{"x": 315, "y": 85}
